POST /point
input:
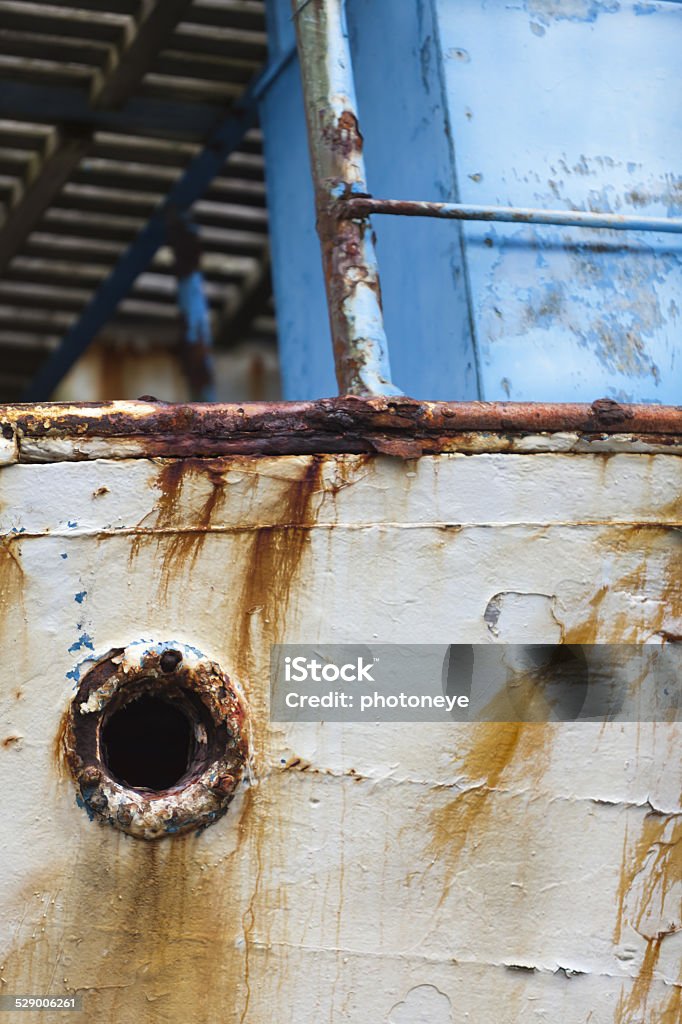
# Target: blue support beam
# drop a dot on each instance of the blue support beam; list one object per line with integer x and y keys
{"x": 196, "y": 178}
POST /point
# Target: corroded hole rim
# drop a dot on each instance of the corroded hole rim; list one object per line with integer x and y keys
{"x": 203, "y": 793}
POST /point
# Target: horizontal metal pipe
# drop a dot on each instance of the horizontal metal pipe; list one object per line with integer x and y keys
{"x": 347, "y": 417}
{"x": 365, "y": 206}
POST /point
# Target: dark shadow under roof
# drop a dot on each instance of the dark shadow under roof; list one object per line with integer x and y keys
{"x": 102, "y": 106}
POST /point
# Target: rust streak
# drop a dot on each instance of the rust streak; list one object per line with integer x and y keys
{"x": 657, "y": 855}
{"x": 633, "y": 1008}
{"x": 489, "y": 759}
{"x": 272, "y": 562}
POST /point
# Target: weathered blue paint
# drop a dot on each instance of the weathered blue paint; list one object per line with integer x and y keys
{"x": 84, "y": 642}
{"x": 81, "y": 595}
{"x": 192, "y": 302}
{"x": 197, "y": 320}
{"x": 545, "y": 104}
{"x": 402, "y": 110}
{"x": 571, "y": 105}
{"x": 303, "y": 322}
{"x": 83, "y": 801}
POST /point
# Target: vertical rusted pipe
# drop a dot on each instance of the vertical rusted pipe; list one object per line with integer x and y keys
{"x": 348, "y": 256}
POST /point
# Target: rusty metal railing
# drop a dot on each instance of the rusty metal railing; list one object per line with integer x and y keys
{"x": 344, "y": 204}
{"x": 350, "y": 266}
{"x": 365, "y": 205}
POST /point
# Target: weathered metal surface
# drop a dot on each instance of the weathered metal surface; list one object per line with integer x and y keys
{"x": 350, "y": 268}
{"x": 559, "y": 312}
{"x": 389, "y": 873}
{"x": 218, "y": 752}
{"x": 396, "y": 426}
{"x": 363, "y": 207}
{"x": 449, "y": 114}
{"x": 399, "y": 100}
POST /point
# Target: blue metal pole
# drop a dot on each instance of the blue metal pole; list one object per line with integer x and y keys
{"x": 196, "y": 347}
{"x": 196, "y": 178}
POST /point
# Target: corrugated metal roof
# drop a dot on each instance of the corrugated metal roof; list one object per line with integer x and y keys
{"x": 102, "y": 105}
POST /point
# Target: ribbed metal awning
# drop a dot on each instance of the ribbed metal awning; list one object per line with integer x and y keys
{"x": 102, "y": 107}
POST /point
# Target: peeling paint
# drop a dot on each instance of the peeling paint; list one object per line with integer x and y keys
{"x": 558, "y": 309}
{"x": 547, "y": 11}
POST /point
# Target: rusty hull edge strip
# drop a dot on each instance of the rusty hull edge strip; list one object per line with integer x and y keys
{"x": 398, "y": 426}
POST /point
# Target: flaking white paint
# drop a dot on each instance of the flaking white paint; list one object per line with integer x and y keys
{"x": 371, "y": 872}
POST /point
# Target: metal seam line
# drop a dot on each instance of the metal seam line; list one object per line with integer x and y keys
{"x": 364, "y": 206}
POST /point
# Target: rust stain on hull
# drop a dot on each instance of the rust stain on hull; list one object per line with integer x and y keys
{"x": 272, "y": 562}
{"x": 654, "y": 586}
{"x": 179, "y": 549}
{"x": 469, "y": 817}
{"x": 134, "y": 932}
{"x": 269, "y": 556}
{"x": 633, "y": 1008}
{"x": 658, "y": 852}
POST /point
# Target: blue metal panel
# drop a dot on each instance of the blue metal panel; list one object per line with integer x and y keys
{"x": 408, "y": 152}
{"x": 305, "y": 345}
{"x": 574, "y": 105}
{"x": 404, "y": 122}
{"x": 551, "y": 104}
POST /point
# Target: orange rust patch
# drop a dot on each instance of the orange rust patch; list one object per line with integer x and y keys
{"x": 489, "y": 760}
{"x": 659, "y": 547}
{"x": 658, "y": 852}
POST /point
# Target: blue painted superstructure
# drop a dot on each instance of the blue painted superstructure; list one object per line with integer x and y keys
{"x": 571, "y": 105}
